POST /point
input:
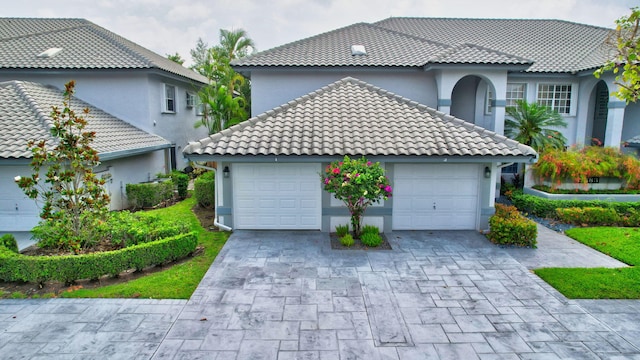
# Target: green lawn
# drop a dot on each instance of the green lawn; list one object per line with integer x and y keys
{"x": 179, "y": 281}
{"x": 601, "y": 283}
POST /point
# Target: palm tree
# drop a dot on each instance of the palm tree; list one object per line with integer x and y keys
{"x": 533, "y": 124}
{"x": 235, "y": 44}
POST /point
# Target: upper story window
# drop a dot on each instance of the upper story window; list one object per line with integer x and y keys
{"x": 169, "y": 99}
{"x": 191, "y": 100}
{"x": 515, "y": 92}
{"x": 488, "y": 101}
{"x": 558, "y": 97}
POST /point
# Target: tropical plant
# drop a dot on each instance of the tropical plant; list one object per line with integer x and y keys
{"x": 358, "y": 183}
{"x": 624, "y": 42}
{"x": 532, "y": 124}
{"x": 74, "y": 199}
{"x": 176, "y": 58}
{"x": 226, "y": 99}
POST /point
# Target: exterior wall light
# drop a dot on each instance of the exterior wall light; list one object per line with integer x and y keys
{"x": 487, "y": 172}
{"x": 226, "y": 172}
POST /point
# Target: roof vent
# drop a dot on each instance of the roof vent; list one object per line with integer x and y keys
{"x": 51, "y": 52}
{"x": 358, "y": 50}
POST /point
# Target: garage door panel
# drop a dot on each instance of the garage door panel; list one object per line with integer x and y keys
{"x": 452, "y": 188}
{"x": 277, "y": 196}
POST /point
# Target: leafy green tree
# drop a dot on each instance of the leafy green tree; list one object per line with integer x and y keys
{"x": 176, "y": 58}
{"x": 74, "y": 199}
{"x": 226, "y": 99}
{"x": 625, "y": 64}
{"x": 533, "y": 124}
{"x": 358, "y": 183}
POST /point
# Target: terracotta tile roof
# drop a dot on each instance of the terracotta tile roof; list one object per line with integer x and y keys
{"x": 544, "y": 45}
{"x": 25, "y": 109}
{"x": 351, "y": 117}
{"x": 83, "y": 44}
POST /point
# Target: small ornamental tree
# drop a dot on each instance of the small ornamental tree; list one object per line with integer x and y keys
{"x": 74, "y": 200}
{"x": 358, "y": 183}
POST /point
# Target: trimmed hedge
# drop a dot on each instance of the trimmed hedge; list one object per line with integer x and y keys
{"x": 508, "y": 227}
{"x": 204, "y": 189}
{"x": 9, "y": 241}
{"x": 181, "y": 180}
{"x": 69, "y": 268}
{"x": 147, "y": 195}
{"x": 588, "y": 216}
{"x": 547, "y": 208}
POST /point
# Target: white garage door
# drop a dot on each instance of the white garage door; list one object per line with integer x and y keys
{"x": 435, "y": 196}
{"x": 276, "y": 196}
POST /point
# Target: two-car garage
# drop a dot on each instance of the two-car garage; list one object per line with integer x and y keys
{"x": 289, "y": 196}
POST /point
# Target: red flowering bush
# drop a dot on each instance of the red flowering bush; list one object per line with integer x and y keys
{"x": 358, "y": 183}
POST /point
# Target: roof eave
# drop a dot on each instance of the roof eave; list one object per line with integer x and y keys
{"x": 113, "y": 155}
{"x": 489, "y": 66}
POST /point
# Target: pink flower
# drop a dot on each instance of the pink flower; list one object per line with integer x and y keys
{"x": 336, "y": 171}
{"x": 387, "y": 188}
{"x": 326, "y": 181}
{"x": 368, "y": 163}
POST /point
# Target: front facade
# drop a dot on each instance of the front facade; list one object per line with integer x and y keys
{"x": 442, "y": 169}
{"x": 470, "y": 70}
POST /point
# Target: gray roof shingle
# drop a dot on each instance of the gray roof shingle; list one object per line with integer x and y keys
{"x": 25, "y": 109}
{"x": 550, "y": 45}
{"x": 633, "y": 142}
{"x": 84, "y": 45}
{"x": 351, "y": 117}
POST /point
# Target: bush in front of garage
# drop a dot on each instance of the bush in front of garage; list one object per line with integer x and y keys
{"x": 509, "y": 227}
{"x": 204, "y": 189}
{"x": 69, "y": 268}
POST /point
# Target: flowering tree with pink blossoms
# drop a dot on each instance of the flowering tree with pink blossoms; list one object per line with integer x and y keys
{"x": 358, "y": 183}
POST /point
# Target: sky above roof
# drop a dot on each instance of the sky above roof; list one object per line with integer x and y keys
{"x": 169, "y": 26}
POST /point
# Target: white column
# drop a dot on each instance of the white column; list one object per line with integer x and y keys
{"x": 615, "y": 120}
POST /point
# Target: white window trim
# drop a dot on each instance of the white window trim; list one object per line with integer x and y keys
{"x": 524, "y": 91}
{"x": 165, "y": 108}
{"x": 190, "y": 101}
{"x": 574, "y": 94}
{"x": 488, "y": 100}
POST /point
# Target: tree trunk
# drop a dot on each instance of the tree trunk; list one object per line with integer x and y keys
{"x": 356, "y": 224}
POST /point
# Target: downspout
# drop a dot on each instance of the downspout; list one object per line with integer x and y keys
{"x": 215, "y": 218}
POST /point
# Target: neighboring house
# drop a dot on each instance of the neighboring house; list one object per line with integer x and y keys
{"x": 127, "y": 154}
{"x": 471, "y": 69}
{"x": 114, "y": 74}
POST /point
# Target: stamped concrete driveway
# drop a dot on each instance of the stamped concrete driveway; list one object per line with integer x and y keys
{"x": 287, "y": 295}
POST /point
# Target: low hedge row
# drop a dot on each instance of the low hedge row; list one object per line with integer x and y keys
{"x": 69, "y": 268}
{"x": 547, "y": 208}
{"x": 597, "y": 216}
{"x": 508, "y": 227}
{"x": 147, "y": 195}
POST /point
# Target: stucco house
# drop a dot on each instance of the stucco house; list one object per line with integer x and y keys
{"x": 424, "y": 96}
{"x": 126, "y": 153}
{"x": 145, "y": 104}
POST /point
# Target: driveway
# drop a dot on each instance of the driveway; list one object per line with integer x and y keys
{"x": 287, "y": 295}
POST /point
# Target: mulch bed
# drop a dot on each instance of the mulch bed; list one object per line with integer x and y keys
{"x": 336, "y": 245}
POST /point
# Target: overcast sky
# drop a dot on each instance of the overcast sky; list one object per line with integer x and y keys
{"x": 167, "y": 26}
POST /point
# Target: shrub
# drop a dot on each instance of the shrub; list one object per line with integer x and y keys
{"x": 147, "y": 195}
{"x": 370, "y": 229}
{"x": 9, "y": 242}
{"x": 181, "y": 180}
{"x": 204, "y": 189}
{"x": 342, "y": 230}
{"x": 69, "y": 268}
{"x": 127, "y": 229}
{"x": 508, "y": 227}
{"x": 580, "y": 163}
{"x": 547, "y": 207}
{"x": 371, "y": 239}
{"x": 54, "y": 235}
{"x": 588, "y": 216}
{"x": 347, "y": 240}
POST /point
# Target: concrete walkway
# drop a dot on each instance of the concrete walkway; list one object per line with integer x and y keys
{"x": 287, "y": 295}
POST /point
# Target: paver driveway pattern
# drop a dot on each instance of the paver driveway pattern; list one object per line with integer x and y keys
{"x": 287, "y": 295}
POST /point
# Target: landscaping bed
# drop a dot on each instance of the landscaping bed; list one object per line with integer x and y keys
{"x": 357, "y": 245}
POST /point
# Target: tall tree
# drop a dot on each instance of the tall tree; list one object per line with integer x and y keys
{"x": 533, "y": 124}
{"x": 226, "y": 99}
{"x": 200, "y": 56}
{"x": 625, "y": 63}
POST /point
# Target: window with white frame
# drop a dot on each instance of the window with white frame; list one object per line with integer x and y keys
{"x": 556, "y": 96}
{"x": 191, "y": 100}
{"x": 169, "y": 98}
{"x": 515, "y": 92}
{"x": 200, "y": 107}
{"x": 488, "y": 101}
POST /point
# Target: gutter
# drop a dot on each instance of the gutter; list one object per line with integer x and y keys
{"x": 215, "y": 218}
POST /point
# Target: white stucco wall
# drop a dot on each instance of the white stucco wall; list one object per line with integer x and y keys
{"x": 133, "y": 96}
{"x": 274, "y": 88}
